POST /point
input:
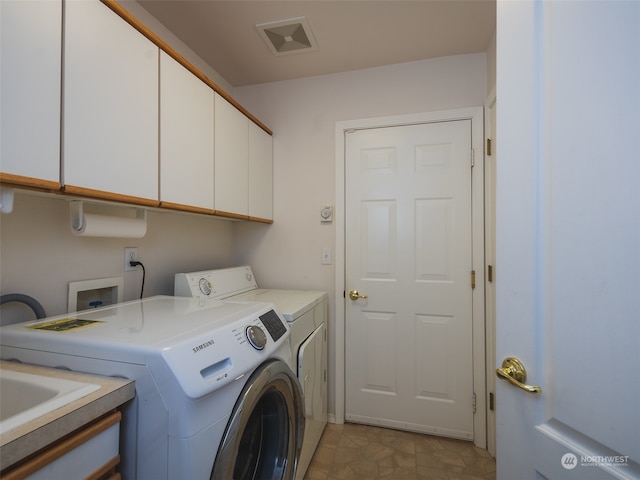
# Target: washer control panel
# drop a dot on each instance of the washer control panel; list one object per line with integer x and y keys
{"x": 273, "y": 324}
{"x": 256, "y": 336}
{"x": 230, "y": 341}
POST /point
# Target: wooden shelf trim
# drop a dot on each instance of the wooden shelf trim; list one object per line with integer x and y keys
{"x": 41, "y": 459}
{"x": 10, "y": 179}
{"x": 114, "y": 197}
{"x": 260, "y": 220}
{"x": 135, "y": 23}
{"x": 107, "y": 471}
{"x": 187, "y": 208}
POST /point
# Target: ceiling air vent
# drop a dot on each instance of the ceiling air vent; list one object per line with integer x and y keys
{"x": 288, "y": 36}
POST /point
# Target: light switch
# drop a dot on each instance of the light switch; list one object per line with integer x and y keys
{"x": 326, "y": 256}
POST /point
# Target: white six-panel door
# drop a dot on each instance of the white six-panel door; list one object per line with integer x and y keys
{"x": 568, "y": 239}
{"x": 409, "y": 361}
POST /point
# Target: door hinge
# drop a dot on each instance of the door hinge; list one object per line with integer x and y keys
{"x": 473, "y": 403}
{"x": 490, "y": 273}
{"x": 473, "y": 158}
{"x": 489, "y": 146}
{"x": 473, "y": 279}
{"x": 492, "y": 401}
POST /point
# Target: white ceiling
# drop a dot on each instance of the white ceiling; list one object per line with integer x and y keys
{"x": 351, "y": 34}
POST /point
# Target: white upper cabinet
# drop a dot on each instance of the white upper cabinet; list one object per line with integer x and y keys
{"x": 120, "y": 119}
{"x": 186, "y": 137}
{"x": 110, "y": 141}
{"x": 30, "y": 48}
{"x": 231, "y": 159}
{"x": 260, "y": 173}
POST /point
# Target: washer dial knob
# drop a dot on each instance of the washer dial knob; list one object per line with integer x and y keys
{"x": 205, "y": 286}
{"x": 256, "y": 337}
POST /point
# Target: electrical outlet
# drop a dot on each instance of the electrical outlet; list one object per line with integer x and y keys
{"x": 130, "y": 254}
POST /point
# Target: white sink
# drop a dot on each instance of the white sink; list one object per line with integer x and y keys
{"x": 25, "y": 396}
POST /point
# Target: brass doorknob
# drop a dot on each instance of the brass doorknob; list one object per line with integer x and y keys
{"x": 514, "y": 372}
{"x": 355, "y": 295}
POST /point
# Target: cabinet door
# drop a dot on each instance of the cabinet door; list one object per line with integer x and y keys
{"x": 91, "y": 451}
{"x": 231, "y": 159}
{"x": 110, "y": 141}
{"x": 30, "y": 48}
{"x": 260, "y": 173}
{"x": 186, "y": 137}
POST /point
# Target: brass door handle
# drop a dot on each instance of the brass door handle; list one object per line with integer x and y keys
{"x": 355, "y": 295}
{"x": 514, "y": 372}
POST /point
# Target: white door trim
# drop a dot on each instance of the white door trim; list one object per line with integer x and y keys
{"x": 476, "y": 115}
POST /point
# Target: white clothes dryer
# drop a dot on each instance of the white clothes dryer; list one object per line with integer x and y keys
{"x": 215, "y": 396}
{"x": 306, "y": 312}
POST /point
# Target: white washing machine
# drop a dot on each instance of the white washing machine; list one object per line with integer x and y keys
{"x": 215, "y": 395}
{"x": 306, "y": 312}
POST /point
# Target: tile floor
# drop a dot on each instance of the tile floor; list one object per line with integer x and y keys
{"x": 351, "y": 451}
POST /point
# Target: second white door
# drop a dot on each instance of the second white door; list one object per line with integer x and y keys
{"x": 409, "y": 343}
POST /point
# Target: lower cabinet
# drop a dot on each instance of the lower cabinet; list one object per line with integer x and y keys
{"x": 91, "y": 452}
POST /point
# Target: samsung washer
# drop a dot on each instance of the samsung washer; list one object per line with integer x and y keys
{"x": 215, "y": 395}
{"x": 306, "y": 312}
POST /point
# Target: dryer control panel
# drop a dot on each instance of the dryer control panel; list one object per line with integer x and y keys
{"x": 216, "y": 284}
{"x": 197, "y": 285}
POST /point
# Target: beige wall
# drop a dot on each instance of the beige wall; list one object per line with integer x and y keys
{"x": 491, "y": 65}
{"x": 303, "y": 115}
{"x": 39, "y": 255}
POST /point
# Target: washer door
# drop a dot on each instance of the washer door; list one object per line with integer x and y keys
{"x": 264, "y": 436}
